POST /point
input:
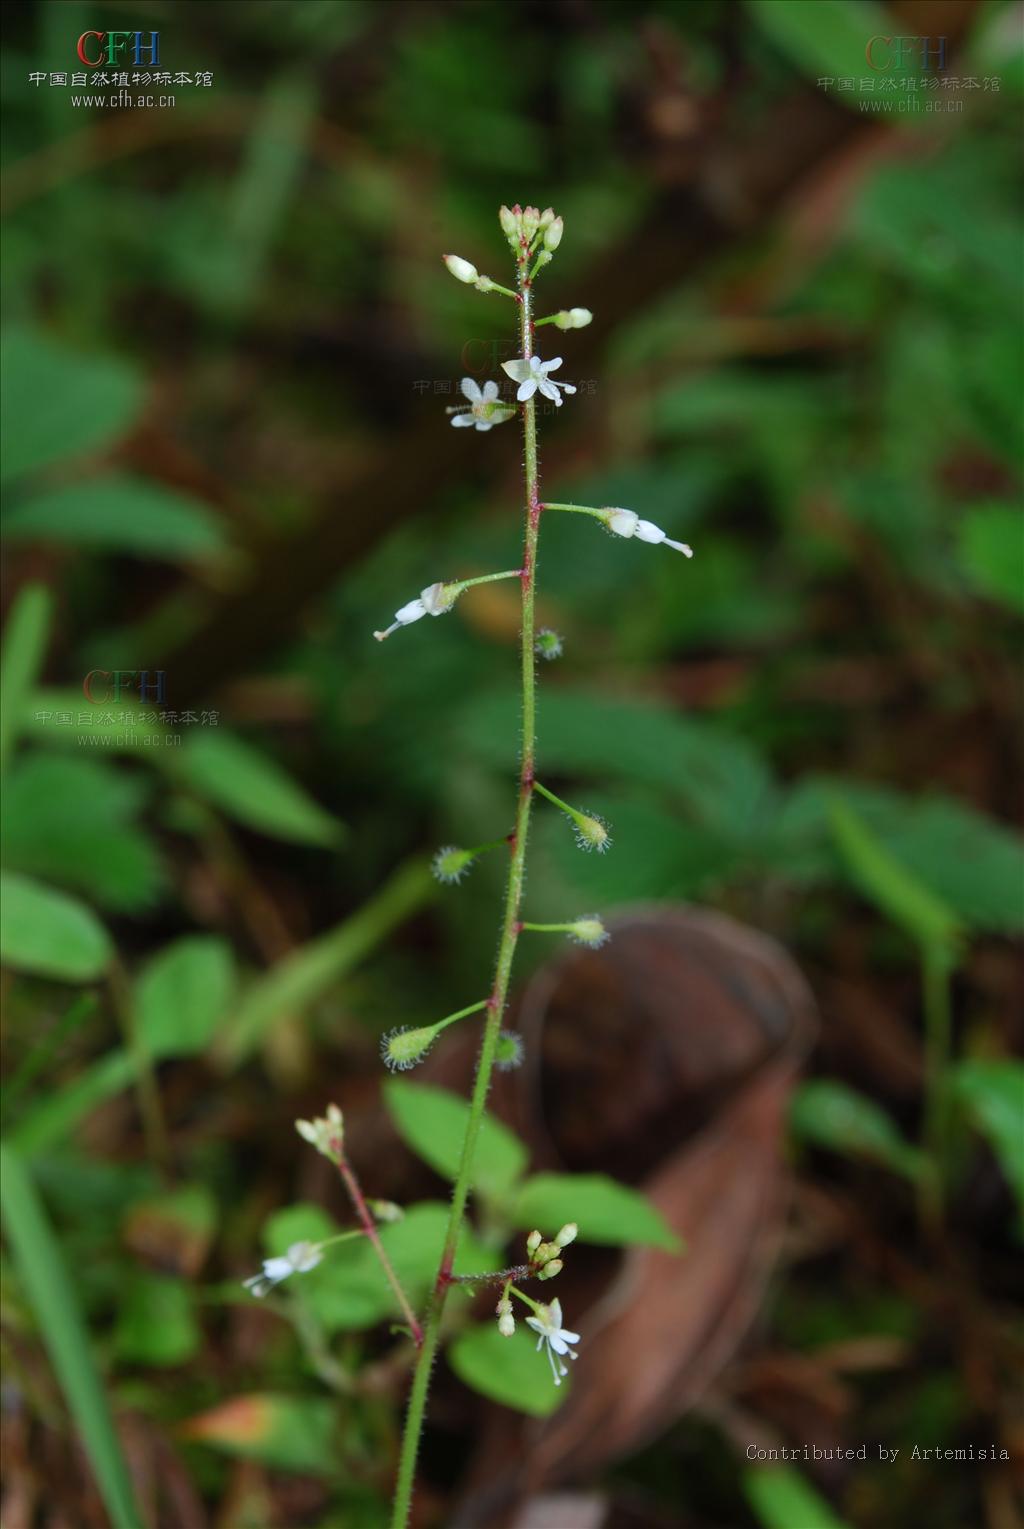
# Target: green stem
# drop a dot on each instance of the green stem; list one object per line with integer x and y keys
{"x": 549, "y": 928}
{"x": 147, "y": 1089}
{"x": 369, "y": 1226}
{"x": 573, "y": 812}
{"x": 458, "y": 585}
{"x": 576, "y": 509}
{"x": 935, "y": 972}
{"x": 506, "y": 948}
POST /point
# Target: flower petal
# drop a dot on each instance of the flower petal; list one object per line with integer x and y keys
{"x": 460, "y": 421}
{"x": 490, "y": 391}
{"x": 470, "y": 389}
{"x": 518, "y": 370}
{"x": 527, "y": 389}
{"x": 485, "y": 424}
{"x": 549, "y": 390}
{"x": 551, "y": 366}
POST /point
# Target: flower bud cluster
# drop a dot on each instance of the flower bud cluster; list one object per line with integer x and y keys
{"x": 525, "y": 223}
{"x": 545, "y": 1257}
{"x": 326, "y": 1134}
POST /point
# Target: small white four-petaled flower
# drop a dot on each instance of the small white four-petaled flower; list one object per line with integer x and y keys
{"x": 532, "y": 376}
{"x": 554, "y": 1337}
{"x": 484, "y": 410}
{"x": 300, "y": 1257}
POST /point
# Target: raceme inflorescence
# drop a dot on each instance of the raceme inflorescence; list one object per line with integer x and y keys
{"x": 533, "y": 238}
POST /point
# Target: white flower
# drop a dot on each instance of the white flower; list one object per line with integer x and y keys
{"x": 628, "y": 523}
{"x": 461, "y": 269}
{"x": 532, "y": 375}
{"x": 432, "y": 601}
{"x": 300, "y": 1257}
{"x": 554, "y": 1337}
{"x": 484, "y": 409}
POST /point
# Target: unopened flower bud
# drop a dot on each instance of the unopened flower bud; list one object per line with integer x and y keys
{"x": 529, "y": 222}
{"x": 509, "y": 222}
{"x": 573, "y": 318}
{"x": 569, "y": 1233}
{"x": 553, "y": 234}
{"x": 589, "y": 930}
{"x": 506, "y": 1324}
{"x": 547, "y": 217}
{"x": 386, "y": 1211}
{"x": 548, "y": 644}
{"x": 550, "y": 1269}
{"x": 462, "y": 270}
{"x": 402, "y": 1048}
{"x": 533, "y": 1242}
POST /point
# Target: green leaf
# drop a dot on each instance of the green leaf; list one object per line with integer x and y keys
{"x": 254, "y": 790}
{"x": 57, "y": 1114}
{"x": 893, "y": 889}
{"x": 182, "y": 995}
{"x": 48, "y": 933}
{"x": 54, "y": 1300}
{"x": 57, "y": 403}
{"x": 24, "y": 648}
{"x": 507, "y": 1370}
{"x": 156, "y": 1323}
{"x": 290, "y": 1433}
{"x": 63, "y": 719}
{"x": 73, "y": 821}
{"x": 992, "y": 552}
{"x": 828, "y": 37}
{"x": 349, "y": 1290}
{"x": 121, "y": 514}
{"x": 993, "y": 1094}
{"x": 830, "y": 1114}
{"x": 971, "y": 862}
{"x": 310, "y": 972}
{"x": 722, "y": 781}
{"x": 782, "y": 1499}
{"x": 604, "y": 1210}
{"x": 432, "y": 1122}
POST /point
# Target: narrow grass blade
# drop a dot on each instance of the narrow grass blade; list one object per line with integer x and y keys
{"x": 52, "y": 1295}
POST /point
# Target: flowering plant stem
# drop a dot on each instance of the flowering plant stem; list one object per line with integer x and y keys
{"x": 369, "y": 1226}
{"x": 506, "y": 950}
